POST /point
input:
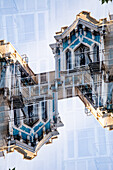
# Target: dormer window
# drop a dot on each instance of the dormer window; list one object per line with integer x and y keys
{"x": 82, "y": 56}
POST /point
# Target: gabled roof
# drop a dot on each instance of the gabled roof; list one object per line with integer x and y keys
{"x": 85, "y": 15}
{"x": 83, "y": 18}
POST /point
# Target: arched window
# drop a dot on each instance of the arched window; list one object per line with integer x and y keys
{"x": 30, "y": 113}
{"x": 44, "y": 110}
{"x": 95, "y": 53}
{"x": 68, "y": 60}
{"x": 82, "y": 55}
{"x": 17, "y": 117}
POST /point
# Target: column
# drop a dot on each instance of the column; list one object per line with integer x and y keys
{"x": 73, "y": 59}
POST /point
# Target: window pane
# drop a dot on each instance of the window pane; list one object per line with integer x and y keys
{"x": 26, "y": 27}
{"x": 8, "y": 4}
{"x": 10, "y": 29}
{"x": 41, "y": 4}
{"x": 41, "y": 26}
{"x": 19, "y": 4}
{"x": 70, "y": 139}
{"x": 30, "y": 4}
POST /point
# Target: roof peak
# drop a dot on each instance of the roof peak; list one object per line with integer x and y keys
{"x": 85, "y": 15}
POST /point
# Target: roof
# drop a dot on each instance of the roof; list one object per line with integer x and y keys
{"x": 85, "y": 15}
{"x": 86, "y": 19}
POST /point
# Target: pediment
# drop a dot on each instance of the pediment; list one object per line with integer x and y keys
{"x": 82, "y": 18}
{"x": 69, "y": 29}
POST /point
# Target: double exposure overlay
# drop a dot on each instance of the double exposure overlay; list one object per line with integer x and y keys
{"x": 52, "y": 76}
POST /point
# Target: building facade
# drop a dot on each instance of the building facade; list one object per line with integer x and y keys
{"x": 83, "y": 54}
{"x": 28, "y": 108}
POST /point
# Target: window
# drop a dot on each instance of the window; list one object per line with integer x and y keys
{"x": 43, "y": 78}
{"x": 44, "y": 90}
{"x": 43, "y": 65}
{"x": 68, "y": 60}
{"x": 110, "y": 57}
{"x": 19, "y": 4}
{"x": 16, "y": 117}
{"x": 41, "y": 4}
{"x": 70, "y": 165}
{"x": 70, "y": 140}
{"x": 1, "y": 29}
{"x": 77, "y": 59}
{"x": 86, "y": 143}
{"x": 10, "y": 29}
{"x": 58, "y": 9}
{"x": 81, "y": 165}
{"x": 30, "y": 5}
{"x": 35, "y": 114}
{"x": 8, "y": 4}
{"x": 44, "y": 110}
{"x": 30, "y": 113}
{"x": 41, "y": 26}
{"x": 25, "y": 25}
{"x": 101, "y": 143}
{"x": 68, "y": 80}
{"x": 2, "y": 77}
{"x": 95, "y": 53}
{"x": 69, "y": 92}
{"x": 82, "y": 56}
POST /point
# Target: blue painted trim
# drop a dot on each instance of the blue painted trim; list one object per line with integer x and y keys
{"x": 65, "y": 44}
{"x": 54, "y": 118}
{"x": 73, "y": 37}
{"x": 15, "y": 132}
{"x": 31, "y": 138}
{"x": 47, "y": 126}
{"x": 40, "y": 132}
{"x": 87, "y": 41}
{"x": 25, "y": 129}
{"x": 53, "y": 102}
{"x": 24, "y": 136}
{"x": 97, "y": 38}
{"x": 89, "y": 34}
{"x": 38, "y": 126}
{"x": 75, "y": 43}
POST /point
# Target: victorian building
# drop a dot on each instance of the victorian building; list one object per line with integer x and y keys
{"x": 83, "y": 55}
{"x": 27, "y": 105}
